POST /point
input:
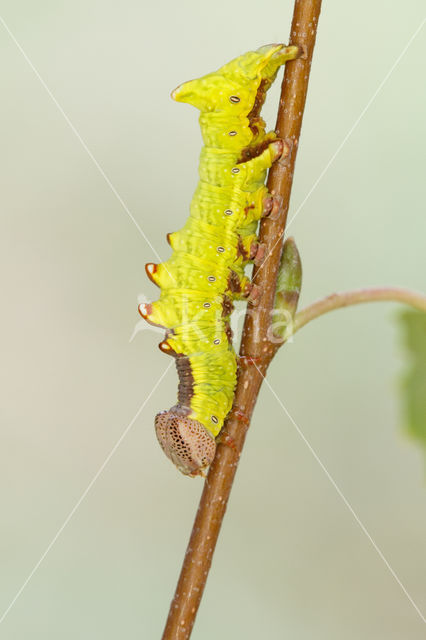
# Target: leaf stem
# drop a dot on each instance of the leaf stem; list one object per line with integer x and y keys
{"x": 358, "y": 296}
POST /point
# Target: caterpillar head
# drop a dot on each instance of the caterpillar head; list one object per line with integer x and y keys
{"x": 236, "y": 82}
{"x": 185, "y": 441}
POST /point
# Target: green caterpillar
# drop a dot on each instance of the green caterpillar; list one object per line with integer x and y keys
{"x": 206, "y": 270}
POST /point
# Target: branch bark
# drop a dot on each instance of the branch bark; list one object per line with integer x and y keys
{"x": 255, "y": 343}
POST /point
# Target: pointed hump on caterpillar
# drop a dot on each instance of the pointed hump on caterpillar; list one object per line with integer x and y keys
{"x": 185, "y": 441}
{"x": 151, "y": 269}
{"x": 233, "y": 87}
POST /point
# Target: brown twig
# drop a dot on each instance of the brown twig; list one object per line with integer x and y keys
{"x": 255, "y": 343}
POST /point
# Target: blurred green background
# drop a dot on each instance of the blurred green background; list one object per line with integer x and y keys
{"x": 292, "y": 562}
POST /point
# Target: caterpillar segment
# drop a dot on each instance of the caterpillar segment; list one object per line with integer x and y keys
{"x": 205, "y": 272}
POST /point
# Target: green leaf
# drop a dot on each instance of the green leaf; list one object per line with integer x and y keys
{"x": 414, "y": 382}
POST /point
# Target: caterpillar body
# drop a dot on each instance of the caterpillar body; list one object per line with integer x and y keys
{"x": 206, "y": 270}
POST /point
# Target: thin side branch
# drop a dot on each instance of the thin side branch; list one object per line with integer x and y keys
{"x": 255, "y": 343}
{"x": 347, "y": 298}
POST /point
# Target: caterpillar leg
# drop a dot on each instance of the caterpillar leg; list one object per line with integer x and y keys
{"x": 257, "y": 252}
{"x": 242, "y": 289}
{"x": 226, "y": 439}
{"x": 254, "y": 293}
{"x": 272, "y": 206}
{"x": 287, "y": 146}
{"x": 261, "y": 159}
{"x": 238, "y": 286}
{"x": 267, "y": 206}
{"x": 241, "y": 416}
